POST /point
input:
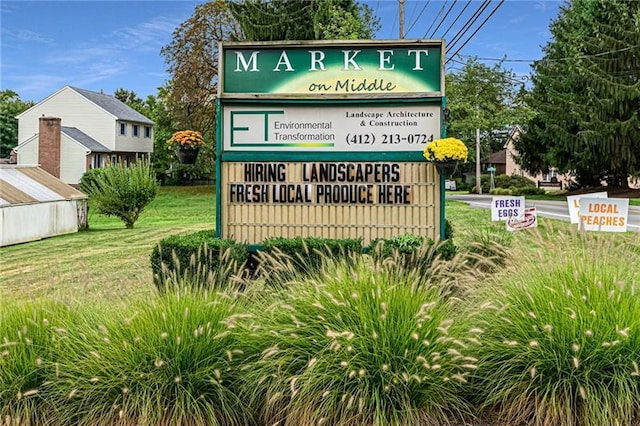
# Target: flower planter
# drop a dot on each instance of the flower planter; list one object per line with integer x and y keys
{"x": 188, "y": 156}
{"x": 446, "y": 168}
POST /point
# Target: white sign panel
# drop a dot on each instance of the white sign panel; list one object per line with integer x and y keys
{"x": 342, "y": 128}
{"x": 529, "y": 220}
{"x": 573, "y": 202}
{"x": 504, "y": 207}
{"x": 608, "y": 215}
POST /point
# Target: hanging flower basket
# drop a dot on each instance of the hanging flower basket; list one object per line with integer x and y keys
{"x": 445, "y": 154}
{"x": 188, "y": 155}
{"x": 186, "y": 144}
{"x": 446, "y": 168}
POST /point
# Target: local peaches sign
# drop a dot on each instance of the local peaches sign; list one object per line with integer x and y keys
{"x": 604, "y": 214}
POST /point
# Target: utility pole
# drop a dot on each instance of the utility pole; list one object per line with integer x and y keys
{"x": 478, "y": 178}
{"x": 401, "y": 13}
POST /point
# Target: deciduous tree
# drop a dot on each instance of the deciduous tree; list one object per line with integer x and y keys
{"x": 10, "y": 106}
{"x": 489, "y": 98}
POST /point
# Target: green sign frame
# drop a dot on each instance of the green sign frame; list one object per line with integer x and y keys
{"x": 365, "y": 72}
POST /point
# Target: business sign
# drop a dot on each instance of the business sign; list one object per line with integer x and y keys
{"x": 330, "y": 128}
{"x": 505, "y": 207}
{"x": 325, "y": 139}
{"x": 326, "y": 69}
{"x": 600, "y": 214}
{"x": 529, "y": 220}
{"x": 573, "y": 202}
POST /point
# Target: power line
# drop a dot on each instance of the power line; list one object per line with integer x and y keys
{"x": 568, "y": 58}
{"x": 478, "y": 29}
{"x": 444, "y": 4}
{"x": 443, "y": 19}
{"x": 419, "y": 15}
{"x": 469, "y": 23}
{"x": 457, "y": 17}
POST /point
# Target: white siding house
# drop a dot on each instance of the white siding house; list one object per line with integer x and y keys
{"x": 96, "y": 128}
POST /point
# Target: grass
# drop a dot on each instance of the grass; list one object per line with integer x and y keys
{"x": 561, "y": 336}
{"x": 357, "y": 345}
{"x": 553, "y": 331}
{"x": 108, "y": 260}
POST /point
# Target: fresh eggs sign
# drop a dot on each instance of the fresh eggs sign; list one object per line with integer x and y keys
{"x": 325, "y": 139}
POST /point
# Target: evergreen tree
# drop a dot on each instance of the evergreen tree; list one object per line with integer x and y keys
{"x": 587, "y": 95}
{"x": 272, "y": 20}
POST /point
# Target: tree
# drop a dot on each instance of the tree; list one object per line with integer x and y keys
{"x": 587, "y": 95}
{"x": 10, "y": 106}
{"x": 120, "y": 191}
{"x": 487, "y": 98}
{"x": 272, "y": 20}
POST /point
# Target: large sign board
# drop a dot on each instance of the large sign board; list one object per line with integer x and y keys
{"x": 325, "y": 139}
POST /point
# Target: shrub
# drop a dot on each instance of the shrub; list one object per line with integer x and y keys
{"x": 30, "y": 336}
{"x": 507, "y": 181}
{"x": 198, "y": 260}
{"x": 561, "y": 340}
{"x": 308, "y": 254}
{"x": 120, "y": 191}
{"x": 528, "y": 190}
{"x": 90, "y": 179}
{"x": 174, "y": 360}
{"x": 357, "y": 346}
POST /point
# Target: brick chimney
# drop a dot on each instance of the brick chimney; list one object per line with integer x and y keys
{"x": 49, "y": 145}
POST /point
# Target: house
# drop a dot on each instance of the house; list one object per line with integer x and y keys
{"x": 34, "y": 205}
{"x": 505, "y": 162}
{"x": 74, "y": 130}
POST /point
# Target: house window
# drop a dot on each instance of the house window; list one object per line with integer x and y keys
{"x": 147, "y": 131}
{"x": 548, "y": 177}
{"x": 123, "y": 128}
{"x": 114, "y": 159}
{"x": 96, "y": 161}
{"x": 136, "y": 132}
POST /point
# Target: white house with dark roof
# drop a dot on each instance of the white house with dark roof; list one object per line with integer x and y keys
{"x": 74, "y": 130}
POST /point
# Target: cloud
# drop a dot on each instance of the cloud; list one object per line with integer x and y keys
{"x": 25, "y": 36}
{"x": 146, "y": 35}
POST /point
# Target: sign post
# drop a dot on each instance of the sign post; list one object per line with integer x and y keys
{"x": 325, "y": 139}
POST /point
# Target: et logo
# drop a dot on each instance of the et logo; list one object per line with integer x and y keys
{"x": 251, "y": 127}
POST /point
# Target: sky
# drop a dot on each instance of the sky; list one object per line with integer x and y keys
{"x": 105, "y": 45}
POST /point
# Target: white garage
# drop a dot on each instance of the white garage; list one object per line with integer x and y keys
{"x": 36, "y": 205}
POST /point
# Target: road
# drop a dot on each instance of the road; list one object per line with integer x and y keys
{"x": 550, "y": 209}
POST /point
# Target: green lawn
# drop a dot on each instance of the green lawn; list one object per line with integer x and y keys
{"x": 107, "y": 260}
{"x": 111, "y": 262}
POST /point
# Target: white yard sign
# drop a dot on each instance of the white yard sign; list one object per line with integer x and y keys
{"x": 573, "y": 202}
{"x": 529, "y": 220}
{"x": 505, "y": 207}
{"x": 608, "y": 215}
{"x": 346, "y": 128}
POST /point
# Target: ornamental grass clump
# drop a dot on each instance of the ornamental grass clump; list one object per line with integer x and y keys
{"x": 356, "y": 346}
{"x": 30, "y": 337}
{"x": 174, "y": 360}
{"x": 561, "y": 338}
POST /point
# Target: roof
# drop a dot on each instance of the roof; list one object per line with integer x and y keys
{"x": 112, "y": 105}
{"x": 31, "y": 184}
{"x": 499, "y": 157}
{"x": 84, "y": 139}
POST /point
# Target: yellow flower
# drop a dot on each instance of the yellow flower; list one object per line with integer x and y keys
{"x": 447, "y": 149}
{"x": 186, "y": 138}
